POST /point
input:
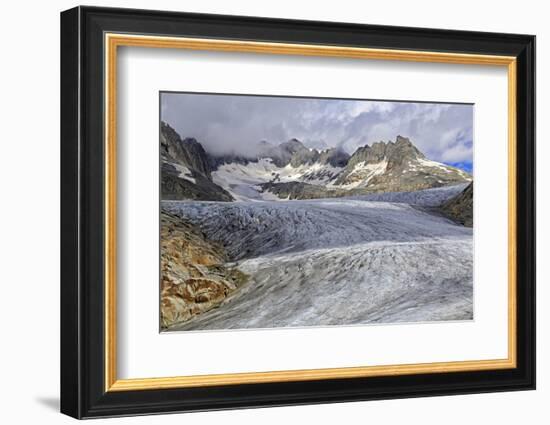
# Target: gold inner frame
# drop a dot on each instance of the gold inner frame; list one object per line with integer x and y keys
{"x": 113, "y": 41}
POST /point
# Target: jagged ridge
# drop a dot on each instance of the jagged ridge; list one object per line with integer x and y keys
{"x": 293, "y": 171}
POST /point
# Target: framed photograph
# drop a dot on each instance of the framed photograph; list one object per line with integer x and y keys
{"x": 261, "y": 212}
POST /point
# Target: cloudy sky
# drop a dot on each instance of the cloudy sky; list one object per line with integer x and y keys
{"x": 232, "y": 123}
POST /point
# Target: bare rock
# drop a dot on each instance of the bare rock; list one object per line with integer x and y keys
{"x": 194, "y": 277}
{"x": 460, "y": 207}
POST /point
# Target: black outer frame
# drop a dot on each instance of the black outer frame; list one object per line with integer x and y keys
{"x": 82, "y": 207}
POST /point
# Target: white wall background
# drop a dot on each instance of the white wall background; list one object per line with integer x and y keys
{"x": 29, "y": 213}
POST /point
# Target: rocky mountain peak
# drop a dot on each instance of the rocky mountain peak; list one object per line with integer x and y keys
{"x": 195, "y": 156}
{"x": 394, "y": 166}
{"x": 334, "y": 156}
{"x": 186, "y": 169}
{"x": 187, "y": 152}
{"x": 402, "y": 151}
{"x": 394, "y": 152}
{"x": 400, "y": 140}
{"x": 368, "y": 154}
{"x": 293, "y": 152}
{"x": 292, "y": 146}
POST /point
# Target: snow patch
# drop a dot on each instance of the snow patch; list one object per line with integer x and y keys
{"x": 184, "y": 172}
{"x": 365, "y": 172}
{"x": 445, "y": 168}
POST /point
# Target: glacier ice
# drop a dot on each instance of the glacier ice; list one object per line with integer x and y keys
{"x": 369, "y": 259}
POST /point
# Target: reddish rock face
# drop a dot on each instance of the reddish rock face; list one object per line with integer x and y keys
{"x": 194, "y": 278}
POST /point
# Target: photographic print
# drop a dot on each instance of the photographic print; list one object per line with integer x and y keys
{"x": 294, "y": 212}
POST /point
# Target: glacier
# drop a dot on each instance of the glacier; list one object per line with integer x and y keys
{"x": 383, "y": 258}
{"x": 433, "y": 197}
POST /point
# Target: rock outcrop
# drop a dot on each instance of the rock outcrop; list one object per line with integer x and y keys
{"x": 292, "y": 152}
{"x": 301, "y": 190}
{"x": 188, "y": 151}
{"x": 334, "y": 156}
{"x": 186, "y": 171}
{"x": 460, "y": 207}
{"x": 194, "y": 275}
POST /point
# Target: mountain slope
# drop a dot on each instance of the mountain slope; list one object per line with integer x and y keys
{"x": 399, "y": 166}
{"x": 460, "y": 207}
{"x": 186, "y": 172}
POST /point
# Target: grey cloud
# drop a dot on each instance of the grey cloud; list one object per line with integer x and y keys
{"x": 232, "y": 123}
